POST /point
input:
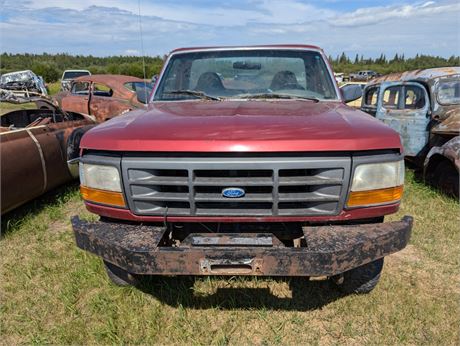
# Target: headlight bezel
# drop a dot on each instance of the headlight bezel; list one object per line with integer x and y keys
{"x": 107, "y": 162}
{"x": 366, "y": 161}
{"x": 100, "y": 177}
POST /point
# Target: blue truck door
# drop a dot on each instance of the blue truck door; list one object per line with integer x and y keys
{"x": 405, "y": 107}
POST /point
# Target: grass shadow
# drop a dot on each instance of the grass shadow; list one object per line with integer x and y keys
{"x": 52, "y": 199}
{"x": 179, "y": 291}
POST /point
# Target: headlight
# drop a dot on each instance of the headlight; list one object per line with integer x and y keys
{"x": 377, "y": 183}
{"x": 101, "y": 184}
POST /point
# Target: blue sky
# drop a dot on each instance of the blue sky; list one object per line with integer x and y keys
{"x": 111, "y": 27}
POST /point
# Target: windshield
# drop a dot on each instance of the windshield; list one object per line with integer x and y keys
{"x": 238, "y": 74}
{"x": 449, "y": 92}
{"x": 74, "y": 74}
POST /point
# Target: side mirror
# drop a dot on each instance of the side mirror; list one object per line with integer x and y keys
{"x": 351, "y": 92}
{"x": 143, "y": 94}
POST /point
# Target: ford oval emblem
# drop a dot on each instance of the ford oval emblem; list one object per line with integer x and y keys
{"x": 233, "y": 192}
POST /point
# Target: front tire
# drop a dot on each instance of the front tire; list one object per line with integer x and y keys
{"x": 447, "y": 179}
{"x": 360, "y": 280}
{"x": 119, "y": 276}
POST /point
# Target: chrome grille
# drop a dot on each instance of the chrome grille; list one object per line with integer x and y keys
{"x": 274, "y": 186}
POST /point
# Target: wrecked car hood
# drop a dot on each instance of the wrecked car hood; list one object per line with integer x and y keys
{"x": 243, "y": 126}
{"x": 451, "y": 123}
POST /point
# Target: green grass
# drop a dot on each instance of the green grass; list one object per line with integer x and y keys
{"x": 6, "y": 107}
{"x": 54, "y": 88}
{"x": 52, "y": 292}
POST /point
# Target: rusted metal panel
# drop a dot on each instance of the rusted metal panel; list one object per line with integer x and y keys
{"x": 417, "y": 75}
{"x": 34, "y": 152}
{"x": 326, "y": 250}
{"x": 450, "y": 150}
{"x": 411, "y": 124}
{"x": 450, "y": 125}
{"x": 121, "y": 100}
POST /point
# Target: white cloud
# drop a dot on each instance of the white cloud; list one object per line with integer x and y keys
{"x": 131, "y": 52}
{"x": 106, "y": 27}
{"x": 372, "y": 16}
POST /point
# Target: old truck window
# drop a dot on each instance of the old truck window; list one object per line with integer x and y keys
{"x": 449, "y": 92}
{"x": 371, "y": 97}
{"x": 414, "y": 97}
{"x": 391, "y": 97}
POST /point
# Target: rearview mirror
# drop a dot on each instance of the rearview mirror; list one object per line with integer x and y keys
{"x": 351, "y": 92}
{"x": 246, "y": 65}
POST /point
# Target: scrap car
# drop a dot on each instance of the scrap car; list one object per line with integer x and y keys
{"x": 271, "y": 175}
{"x": 423, "y": 106}
{"x": 23, "y": 83}
{"x": 364, "y": 75}
{"x": 104, "y": 96}
{"x": 35, "y": 147}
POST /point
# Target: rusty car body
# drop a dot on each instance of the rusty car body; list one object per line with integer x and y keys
{"x": 257, "y": 176}
{"x": 103, "y": 96}
{"x": 423, "y": 106}
{"x": 35, "y": 147}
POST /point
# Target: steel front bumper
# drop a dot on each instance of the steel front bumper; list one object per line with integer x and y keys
{"x": 326, "y": 251}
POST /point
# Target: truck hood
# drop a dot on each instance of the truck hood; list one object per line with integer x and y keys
{"x": 242, "y": 126}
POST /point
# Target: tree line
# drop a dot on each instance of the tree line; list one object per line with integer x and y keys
{"x": 51, "y": 66}
{"x": 384, "y": 65}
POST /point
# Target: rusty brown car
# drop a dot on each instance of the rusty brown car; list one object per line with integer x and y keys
{"x": 423, "y": 106}
{"x": 104, "y": 96}
{"x": 35, "y": 147}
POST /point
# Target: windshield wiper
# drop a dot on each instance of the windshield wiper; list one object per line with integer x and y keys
{"x": 276, "y": 96}
{"x": 196, "y": 93}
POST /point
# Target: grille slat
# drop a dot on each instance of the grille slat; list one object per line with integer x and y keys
{"x": 163, "y": 197}
{"x": 306, "y": 197}
{"x": 274, "y": 186}
{"x": 162, "y": 181}
{"x": 233, "y": 181}
{"x": 286, "y": 181}
{"x": 212, "y": 197}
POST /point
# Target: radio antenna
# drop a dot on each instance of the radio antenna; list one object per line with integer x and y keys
{"x": 142, "y": 50}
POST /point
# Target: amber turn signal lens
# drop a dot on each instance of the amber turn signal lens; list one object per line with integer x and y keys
{"x": 372, "y": 197}
{"x": 102, "y": 196}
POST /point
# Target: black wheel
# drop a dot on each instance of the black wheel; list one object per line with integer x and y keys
{"x": 120, "y": 277}
{"x": 362, "y": 279}
{"x": 446, "y": 178}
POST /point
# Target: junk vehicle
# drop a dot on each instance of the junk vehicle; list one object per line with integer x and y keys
{"x": 423, "y": 106}
{"x": 23, "y": 83}
{"x": 35, "y": 147}
{"x": 362, "y": 75}
{"x": 105, "y": 96}
{"x": 282, "y": 179}
{"x": 69, "y": 75}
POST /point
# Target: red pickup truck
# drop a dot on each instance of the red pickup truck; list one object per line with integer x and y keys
{"x": 271, "y": 174}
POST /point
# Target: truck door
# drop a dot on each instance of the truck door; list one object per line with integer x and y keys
{"x": 104, "y": 104}
{"x": 78, "y": 98}
{"x": 405, "y": 107}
